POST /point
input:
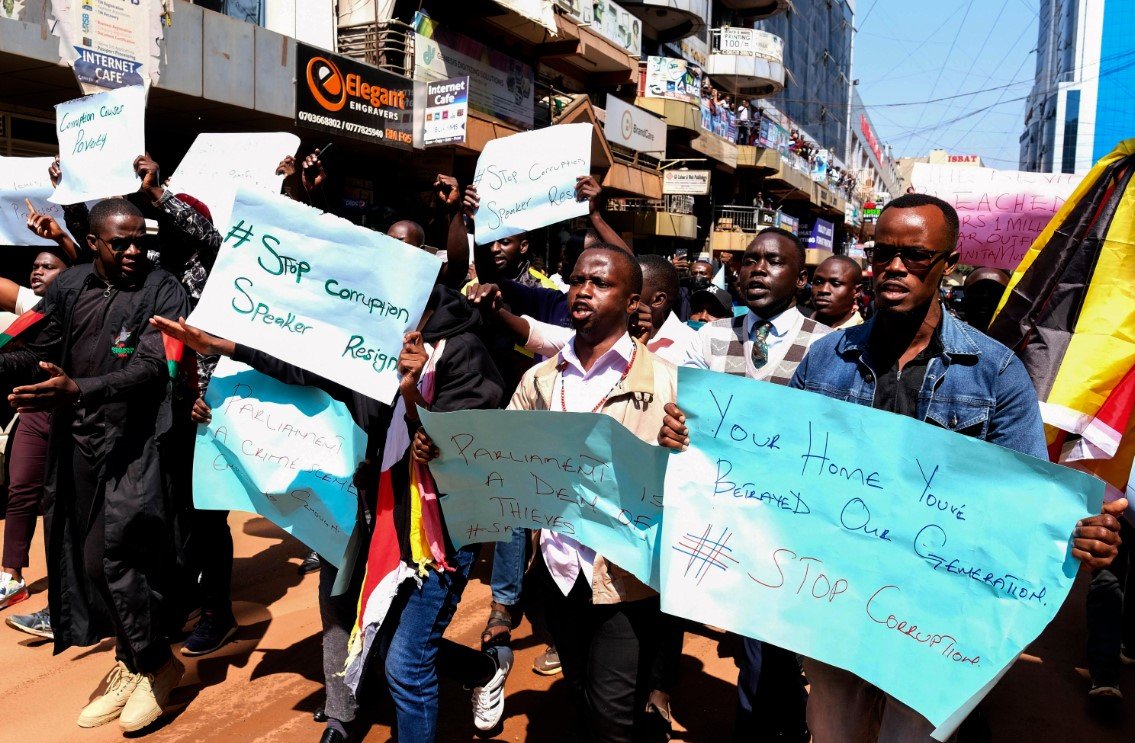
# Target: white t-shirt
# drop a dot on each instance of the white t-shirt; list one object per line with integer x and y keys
{"x": 25, "y": 300}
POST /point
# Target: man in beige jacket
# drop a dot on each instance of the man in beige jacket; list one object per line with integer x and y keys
{"x": 607, "y": 625}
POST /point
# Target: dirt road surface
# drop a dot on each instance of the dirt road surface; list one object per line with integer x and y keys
{"x": 265, "y": 685}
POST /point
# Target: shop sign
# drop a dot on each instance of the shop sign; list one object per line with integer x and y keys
{"x": 689, "y": 182}
{"x": 669, "y": 77}
{"x": 447, "y": 111}
{"x": 499, "y": 85}
{"x": 109, "y": 43}
{"x": 338, "y": 95}
{"x": 633, "y": 127}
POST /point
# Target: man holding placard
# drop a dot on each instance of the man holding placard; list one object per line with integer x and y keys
{"x": 606, "y": 624}
{"x": 105, "y": 519}
{"x": 914, "y": 359}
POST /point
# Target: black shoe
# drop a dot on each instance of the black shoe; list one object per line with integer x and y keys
{"x": 212, "y": 631}
{"x": 331, "y": 735}
{"x": 310, "y": 563}
{"x": 320, "y": 715}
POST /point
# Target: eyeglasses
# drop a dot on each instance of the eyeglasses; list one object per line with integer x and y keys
{"x": 912, "y": 258}
{"x": 122, "y": 244}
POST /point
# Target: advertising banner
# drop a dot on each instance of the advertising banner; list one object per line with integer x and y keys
{"x": 634, "y": 127}
{"x": 447, "y": 111}
{"x": 1001, "y": 211}
{"x": 110, "y": 43}
{"x": 499, "y": 85}
{"x": 823, "y": 235}
{"x": 689, "y": 182}
{"x": 338, "y": 95}
{"x": 668, "y": 77}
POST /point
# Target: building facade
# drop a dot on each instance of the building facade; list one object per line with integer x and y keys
{"x": 818, "y": 44}
{"x": 1080, "y": 105}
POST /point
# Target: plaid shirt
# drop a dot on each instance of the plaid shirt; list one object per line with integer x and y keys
{"x": 726, "y": 348}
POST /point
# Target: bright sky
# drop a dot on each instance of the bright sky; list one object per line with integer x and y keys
{"x": 977, "y": 53}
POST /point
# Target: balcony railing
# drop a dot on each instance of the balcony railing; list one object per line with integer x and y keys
{"x": 388, "y": 45}
{"x": 674, "y": 204}
{"x": 743, "y": 218}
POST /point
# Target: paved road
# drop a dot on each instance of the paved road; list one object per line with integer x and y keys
{"x": 265, "y": 685}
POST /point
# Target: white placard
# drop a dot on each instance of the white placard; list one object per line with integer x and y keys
{"x": 316, "y": 291}
{"x": 634, "y": 127}
{"x": 528, "y": 180}
{"x": 217, "y": 163}
{"x": 25, "y": 178}
{"x": 99, "y": 138}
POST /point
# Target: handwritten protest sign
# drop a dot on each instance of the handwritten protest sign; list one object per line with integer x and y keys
{"x": 869, "y": 541}
{"x": 579, "y": 474}
{"x": 285, "y": 452}
{"x": 528, "y": 180}
{"x": 217, "y": 163}
{"x": 1001, "y": 211}
{"x": 99, "y": 137}
{"x": 316, "y": 291}
{"x": 24, "y": 178}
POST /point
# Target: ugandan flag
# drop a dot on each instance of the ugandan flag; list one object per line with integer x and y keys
{"x": 1069, "y": 315}
{"x": 27, "y": 320}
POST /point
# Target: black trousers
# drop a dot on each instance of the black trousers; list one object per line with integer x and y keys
{"x": 610, "y": 655}
{"x": 90, "y": 512}
{"x": 210, "y": 555}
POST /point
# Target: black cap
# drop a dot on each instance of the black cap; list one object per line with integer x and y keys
{"x": 714, "y": 296}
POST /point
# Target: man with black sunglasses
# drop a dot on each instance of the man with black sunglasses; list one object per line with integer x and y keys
{"x": 94, "y": 359}
{"x": 914, "y": 359}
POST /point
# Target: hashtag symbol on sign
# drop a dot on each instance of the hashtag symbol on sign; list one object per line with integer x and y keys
{"x": 705, "y": 552}
{"x": 240, "y": 233}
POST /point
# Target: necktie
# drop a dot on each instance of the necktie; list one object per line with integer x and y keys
{"x": 760, "y": 343}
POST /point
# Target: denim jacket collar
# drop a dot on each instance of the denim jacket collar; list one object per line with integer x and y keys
{"x": 956, "y": 338}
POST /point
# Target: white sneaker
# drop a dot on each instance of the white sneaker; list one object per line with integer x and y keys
{"x": 12, "y": 591}
{"x": 488, "y": 700}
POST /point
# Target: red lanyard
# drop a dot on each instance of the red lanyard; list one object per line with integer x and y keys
{"x": 601, "y": 403}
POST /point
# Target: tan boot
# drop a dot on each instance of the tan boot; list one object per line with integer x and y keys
{"x": 151, "y": 696}
{"x": 120, "y": 684}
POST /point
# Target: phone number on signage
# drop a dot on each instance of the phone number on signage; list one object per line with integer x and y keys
{"x": 347, "y": 125}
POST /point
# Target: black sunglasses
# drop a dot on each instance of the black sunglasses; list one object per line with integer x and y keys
{"x": 917, "y": 258}
{"x": 122, "y": 244}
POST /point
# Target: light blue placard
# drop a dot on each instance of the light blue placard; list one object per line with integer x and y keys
{"x": 316, "y": 291}
{"x": 919, "y": 559}
{"x": 527, "y": 180}
{"x": 285, "y": 452}
{"x": 579, "y": 474}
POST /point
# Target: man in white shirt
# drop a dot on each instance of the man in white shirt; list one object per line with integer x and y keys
{"x": 603, "y": 619}
{"x": 655, "y": 322}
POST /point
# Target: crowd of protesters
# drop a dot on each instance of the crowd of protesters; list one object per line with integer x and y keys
{"x": 105, "y": 440}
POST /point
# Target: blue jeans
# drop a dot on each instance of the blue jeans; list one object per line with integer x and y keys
{"x": 509, "y": 561}
{"x": 410, "y": 642}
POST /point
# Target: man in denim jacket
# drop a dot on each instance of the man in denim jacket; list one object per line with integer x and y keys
{"x": 914, "y": 359}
